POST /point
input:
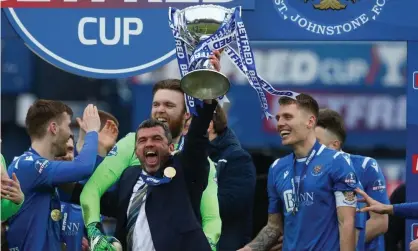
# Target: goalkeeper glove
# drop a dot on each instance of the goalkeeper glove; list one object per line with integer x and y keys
{"x": 98, "y": 241}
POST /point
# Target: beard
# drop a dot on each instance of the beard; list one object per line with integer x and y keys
{"x": 60, "y": 147}
{"x": 176, "y": 126}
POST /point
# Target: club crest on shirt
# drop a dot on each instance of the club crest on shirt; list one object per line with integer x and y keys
{"x": 317, "y": 171}
{"x": 349, "y": 197}
{"x": 350, "y": 179}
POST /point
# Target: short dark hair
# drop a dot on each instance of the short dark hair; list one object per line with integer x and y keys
{"x": 220, "y": 121}
{"x": 304, "y": 101}
{"x": 333, "y": 122}
{"x": 167, "y": 84}
{"x": 105, "y": 116}
{"x": 151, "y": 123}
{"x": 41, "y": 113}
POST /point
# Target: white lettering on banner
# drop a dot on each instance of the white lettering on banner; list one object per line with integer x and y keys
{"x": 361, "y": 112}
{"x": 123, "y": 26}
{"x": 305, "y": 67}
{"x": 330, "y": 29}
{"x": 392, "y": 55}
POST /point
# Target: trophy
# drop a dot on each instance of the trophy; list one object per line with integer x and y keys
{"x": 195, "y": 25}
{"x": 198, "y": 31}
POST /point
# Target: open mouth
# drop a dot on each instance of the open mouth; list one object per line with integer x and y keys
{"x": 284, "y": 133}
{"x": 162, "y": 120}
{"x": 151, "y": 157}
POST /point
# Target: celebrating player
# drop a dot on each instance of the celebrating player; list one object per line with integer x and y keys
{"x": 330, "y": 131}
{"x": 312, "y": 188}
{"x": 36, "y": 226}
{"x": 72, "y": 224}
{"x": 168, "y": 107}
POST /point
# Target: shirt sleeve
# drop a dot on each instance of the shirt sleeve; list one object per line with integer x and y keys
{"x": 376, "y": 183}
{"x": 209, "y": 209}
{"x": 42, "y": 172}
{"x": 105, "y": 175}
{"x": 344, "y": 181}
{"x": 274, "y": 199}
{"x": 343, "y": 175}
{"x": 406, "y": 210}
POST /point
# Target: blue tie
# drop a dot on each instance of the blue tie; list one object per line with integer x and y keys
{"x": 133, "y": 213}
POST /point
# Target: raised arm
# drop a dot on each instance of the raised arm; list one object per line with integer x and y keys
{"x": 195, "y": 152}
{"x": 105, "y": 175}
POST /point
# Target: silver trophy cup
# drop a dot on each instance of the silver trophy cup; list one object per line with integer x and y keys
{"x": 196, "y": 24}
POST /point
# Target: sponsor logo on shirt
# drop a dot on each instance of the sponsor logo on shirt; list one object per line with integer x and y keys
{"x": 305, "y": 199}
{"x": 29, "y": 158}
{"x": 375, "y": 166}
{"x": 41, "y": 165}
{"x": 350, "y": 179}
{"x": 379, "y": 185}
{"x": 114, "y": 151}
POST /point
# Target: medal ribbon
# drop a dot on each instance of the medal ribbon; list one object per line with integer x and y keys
{"x": 299, "y": 185}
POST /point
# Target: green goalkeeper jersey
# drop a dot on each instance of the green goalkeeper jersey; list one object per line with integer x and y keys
{"x": 123, "y": 156}
{"x": 8, "y": 207}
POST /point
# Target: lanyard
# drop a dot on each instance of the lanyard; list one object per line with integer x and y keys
{"x": 153, "y": 180}
{"x": 180, "y": 144}
{"x": 299, "y": 185}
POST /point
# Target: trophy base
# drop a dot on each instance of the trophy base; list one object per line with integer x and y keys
{"x": 205, "y": 84}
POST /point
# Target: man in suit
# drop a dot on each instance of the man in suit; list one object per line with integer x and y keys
{"x": 157, "y": 204}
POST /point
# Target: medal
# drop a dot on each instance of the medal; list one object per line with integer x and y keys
{"x": 169, "y": 172}
{"x": 56, "y": 215}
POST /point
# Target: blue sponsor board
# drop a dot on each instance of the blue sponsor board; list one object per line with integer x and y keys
{"x": 339, "y": 66}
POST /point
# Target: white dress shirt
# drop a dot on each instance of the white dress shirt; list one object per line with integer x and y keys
{"x": 142, "y": 240}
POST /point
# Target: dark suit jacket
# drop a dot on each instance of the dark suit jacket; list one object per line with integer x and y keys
{"x": 173, "y": 209}
{"x": 236, "y": 175}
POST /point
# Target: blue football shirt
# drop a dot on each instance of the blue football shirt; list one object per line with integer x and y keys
{"x": 36, "y": 226}
{"x": 374, "y": 183}
{"x": 72, "y": 226}
{"x": 329, "y": 182}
